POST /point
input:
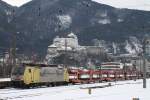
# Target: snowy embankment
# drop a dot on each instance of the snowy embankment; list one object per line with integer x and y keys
{"x": 125, "y": 90}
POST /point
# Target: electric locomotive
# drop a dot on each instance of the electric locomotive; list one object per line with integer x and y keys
{"x": 30, "y": 75}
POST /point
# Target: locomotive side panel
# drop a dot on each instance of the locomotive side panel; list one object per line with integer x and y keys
{"x": 51, "y": 74}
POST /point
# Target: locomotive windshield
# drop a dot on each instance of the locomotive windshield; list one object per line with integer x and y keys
{"x": 18, "y": 71}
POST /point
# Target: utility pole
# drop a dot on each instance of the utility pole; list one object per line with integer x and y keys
{"x": 144, "y": 72}
{"x": 145, "y": 53}
{"x": 100, "y": 72}
{"x": 13, "y": 52}
{"x": 3, "y": 65}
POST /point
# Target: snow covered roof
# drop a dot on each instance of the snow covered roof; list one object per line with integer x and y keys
{"x": 72, "y": 35}
{"x": 63, "y": 48}
{"x": 53, "y": 45}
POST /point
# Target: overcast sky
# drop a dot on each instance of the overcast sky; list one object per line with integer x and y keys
{"x": 130, "y": 4}
{"x": 16, "y": 2}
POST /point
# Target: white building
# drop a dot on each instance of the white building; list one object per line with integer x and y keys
{"x": 69, "y": 43}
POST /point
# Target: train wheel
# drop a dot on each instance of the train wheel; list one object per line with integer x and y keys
{"x": 48, "y": 84}
{"x": 53, "y": 84}
{"x": 25, "y": 86}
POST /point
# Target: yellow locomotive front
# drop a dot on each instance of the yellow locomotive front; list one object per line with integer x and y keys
{"x": 25, "y": 75}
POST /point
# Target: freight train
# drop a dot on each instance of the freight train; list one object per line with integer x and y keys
{"x": 33, "y": 75}
{"x": 30, "y": 75}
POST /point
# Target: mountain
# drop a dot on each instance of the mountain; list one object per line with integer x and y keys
{"x": 39, "y": 21}
{"x": 131, "y": 46}
{"x": 5, "y": 27}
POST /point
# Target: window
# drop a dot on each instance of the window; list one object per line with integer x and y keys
{"x": 29, "y": 70}
{"x": 18, "y": 70}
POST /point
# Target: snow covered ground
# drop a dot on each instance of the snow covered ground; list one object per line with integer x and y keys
{"x": 4, "y": 79}
{"x": 125, "y": 90}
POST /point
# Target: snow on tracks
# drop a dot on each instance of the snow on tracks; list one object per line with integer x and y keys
{"x": 74, "y": 92}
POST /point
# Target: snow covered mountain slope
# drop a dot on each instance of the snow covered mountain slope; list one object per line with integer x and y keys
{"x": 130, "y": 4}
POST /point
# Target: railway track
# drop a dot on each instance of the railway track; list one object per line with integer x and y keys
{"x": 6, "y": 83}
{"x": 25, "y": 93}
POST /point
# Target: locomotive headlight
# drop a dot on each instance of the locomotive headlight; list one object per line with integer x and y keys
{"x": 17, "y": 78}
{"x": 12, "y": 77}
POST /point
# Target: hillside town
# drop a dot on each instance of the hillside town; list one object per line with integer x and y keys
{"x": 67, "y": 51}
{"x": 74, "y": 49}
